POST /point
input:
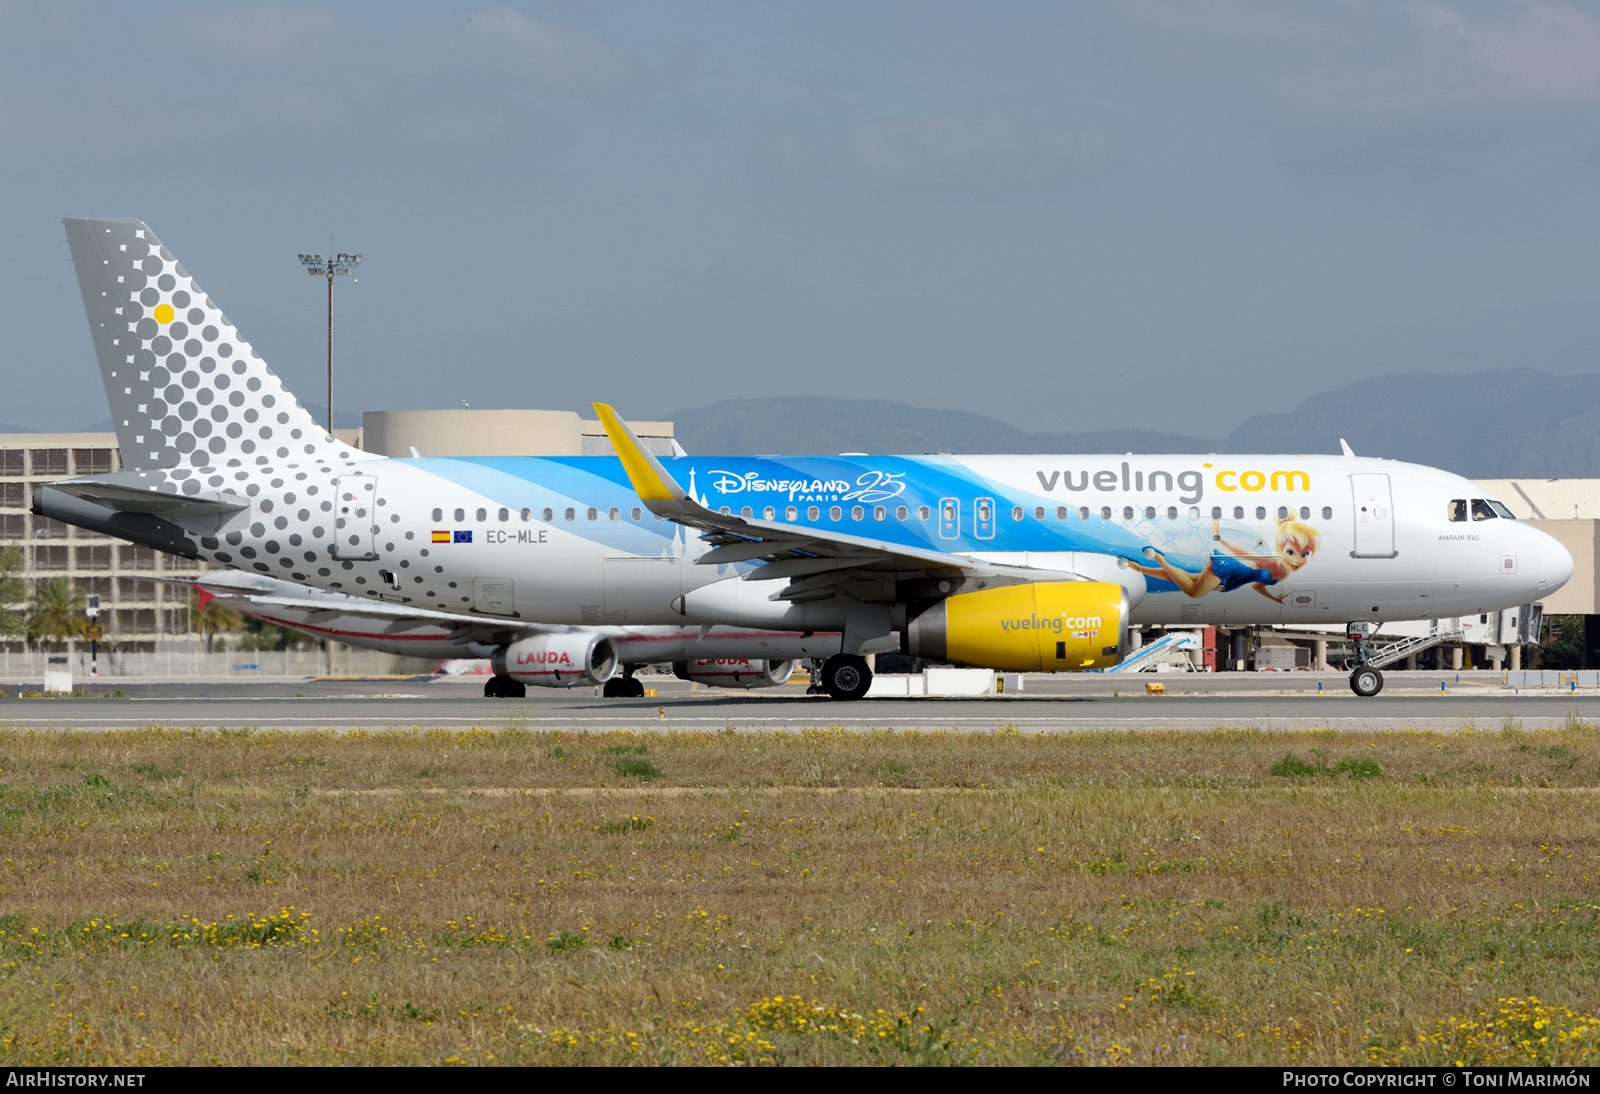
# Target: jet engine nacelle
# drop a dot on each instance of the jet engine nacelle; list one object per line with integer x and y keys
{"x": 727, "y": 672}
{"x": 1047, "y": 626}
{"x": 557, "y": 660}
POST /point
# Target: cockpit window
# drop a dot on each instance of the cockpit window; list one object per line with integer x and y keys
{"x": 1481, "y": 510}
{"x": 1457, "y": 508}
{"x": 1499, "y": 507}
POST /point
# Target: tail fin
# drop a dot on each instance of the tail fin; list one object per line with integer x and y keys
{"x": 184, "y": 388}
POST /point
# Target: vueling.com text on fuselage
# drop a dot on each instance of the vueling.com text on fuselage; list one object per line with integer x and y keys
{"x": 1192, "y": 483}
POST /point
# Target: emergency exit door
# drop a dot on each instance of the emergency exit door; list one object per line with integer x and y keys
{"x": 1374, "y": 516}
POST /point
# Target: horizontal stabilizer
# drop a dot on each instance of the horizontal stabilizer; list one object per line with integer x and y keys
{"x": 203, "y": 514}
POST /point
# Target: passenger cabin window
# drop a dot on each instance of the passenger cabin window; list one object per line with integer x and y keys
{"x": 1481, "y": 510}
{"x": 505, "y": 514}
{"x": 1261, "y": 512}
{"x": 857, "y": 513}
{"x": 483, "y": 514}
{"x": 1038, "y": 512}
{"x": 834, "y": 513}
{"x": 879, "y": 512}
{"x": 791, "y": 513}
{"x": 614, "y": 513}
{"x": 1238, "y": 512}
{"x": 1083, "y": 512}
{"x": 438, "y": 515}
{"x": 1457, "y": 509}
{"x": 636, "y": 514}
{"x": 766, "y": 514}
{"x": 593, "y": 514}
{"x": 923, "y": 512}
{"x": 527, "y": 514}
{"x": 901, "y": 512}
{"x": 572, "y": 514}
{"x": 1105, "y": 512}
{"x": 1327, "y": 512}
{"x": 1216, "y": 512}
{"x": 548, "y": 516}
{"x": 461, "y": 515}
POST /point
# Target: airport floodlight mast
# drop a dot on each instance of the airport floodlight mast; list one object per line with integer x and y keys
{"x": 316, "y": 266}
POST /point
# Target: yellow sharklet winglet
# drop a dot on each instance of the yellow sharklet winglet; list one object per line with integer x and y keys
{"x": 650, "y": 480}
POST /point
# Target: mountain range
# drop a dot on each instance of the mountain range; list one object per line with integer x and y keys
{"x": 1509, "y": 423}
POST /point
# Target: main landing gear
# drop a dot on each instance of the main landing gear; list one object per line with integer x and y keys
{"x": 624, "y": 686}
{"x": 846, "y": 676}
{"x": 814, "y": 667}
{"x": 503, "y": 687}
{"x": 1365, "y": 681}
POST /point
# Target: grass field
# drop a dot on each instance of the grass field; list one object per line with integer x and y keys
{"x": 172, "y": 896}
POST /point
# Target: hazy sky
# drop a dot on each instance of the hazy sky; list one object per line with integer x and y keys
{"x": 1068, "y": 216}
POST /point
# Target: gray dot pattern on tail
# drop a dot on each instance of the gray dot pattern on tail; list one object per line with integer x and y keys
{"x": 196, "y": 408}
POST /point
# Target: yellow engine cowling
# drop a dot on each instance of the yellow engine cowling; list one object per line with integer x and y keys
{"x": 1048, "y": 626}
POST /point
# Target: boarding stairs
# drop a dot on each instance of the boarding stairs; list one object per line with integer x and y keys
{"x": 1387, "y": 655}
{"x": 1148, "y": 657}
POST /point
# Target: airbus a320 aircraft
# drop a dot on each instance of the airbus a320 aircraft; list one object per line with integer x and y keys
{"x": 1023, "y": 563}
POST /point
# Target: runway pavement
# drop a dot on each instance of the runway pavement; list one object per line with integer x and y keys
{"x": 1068, "y": 704}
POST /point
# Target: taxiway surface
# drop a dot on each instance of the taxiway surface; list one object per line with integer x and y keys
{"x": 1413, "y": 701}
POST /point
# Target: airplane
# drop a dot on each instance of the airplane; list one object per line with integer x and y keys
{"x": 724, "y": 657}
{"x": 1017, "y": 563}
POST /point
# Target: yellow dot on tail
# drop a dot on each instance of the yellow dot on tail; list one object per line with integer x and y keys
{"x": 163, "y": 314}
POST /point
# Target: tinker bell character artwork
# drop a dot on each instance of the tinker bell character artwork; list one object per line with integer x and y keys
{"x": 1230, "y": 566}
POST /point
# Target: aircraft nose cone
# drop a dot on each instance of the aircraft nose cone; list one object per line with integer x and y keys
{"x": 1555, "y": 564}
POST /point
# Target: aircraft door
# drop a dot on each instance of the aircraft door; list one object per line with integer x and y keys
{"x": 354, "y": 516}
{"x": 949, "y": 518}
{"x": 1374, "y": 516}
{"x": 983, "y": 518}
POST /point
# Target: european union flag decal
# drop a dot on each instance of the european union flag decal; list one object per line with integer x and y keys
{"x": 463, "y": 536}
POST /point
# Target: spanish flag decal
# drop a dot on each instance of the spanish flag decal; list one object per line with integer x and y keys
{"x": 441, "y": 537}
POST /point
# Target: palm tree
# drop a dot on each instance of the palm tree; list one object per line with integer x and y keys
{"x": 56, "y": 611}
{"x": 212, "y": 617}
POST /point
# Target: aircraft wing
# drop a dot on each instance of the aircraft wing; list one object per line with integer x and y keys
{"x": 816, "y": 560}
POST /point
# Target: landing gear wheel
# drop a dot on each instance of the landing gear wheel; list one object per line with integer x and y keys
{"x": 623, "y": 687}
{"x": 1366, "y": 682}
{"x": 503, "y": 687}
{"x": 846, "y": 676}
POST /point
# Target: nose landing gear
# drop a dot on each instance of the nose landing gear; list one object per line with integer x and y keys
{"x": 1365, "y": 680}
